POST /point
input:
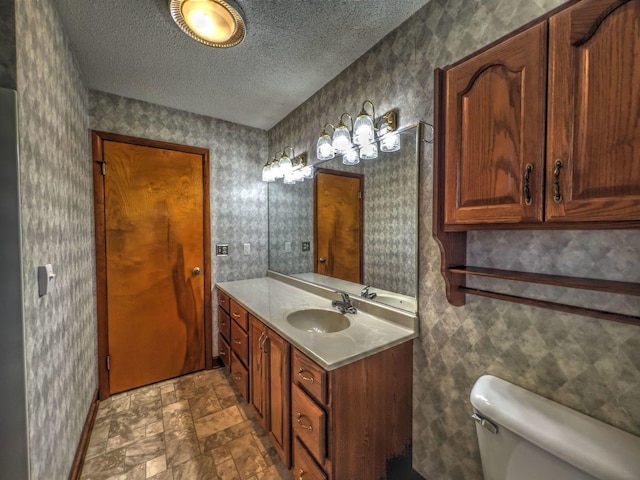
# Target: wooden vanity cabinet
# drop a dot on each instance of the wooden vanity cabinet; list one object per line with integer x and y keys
{"x": 224, "y": 329}
{"x": 240, "y": 347}
{"x": 499, "y": 166}
{"x": 359, "y": 423}
{"x": 270, "y": 385}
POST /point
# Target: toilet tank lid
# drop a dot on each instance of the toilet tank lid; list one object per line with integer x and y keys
{"x": 595, "y": 447}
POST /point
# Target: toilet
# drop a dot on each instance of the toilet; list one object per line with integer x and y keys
{"x": 523, "y": 436}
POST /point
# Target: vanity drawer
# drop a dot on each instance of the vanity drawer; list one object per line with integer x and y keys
{"x": 239, "y": 315}
{"x": 240, "y": 376}
{"x": 223, "y": 300}
{"x": 309, "y": 423}
{"x": 309, "y": 376}
{"x": 240, "y": 343}
{"x": 304, "y": 466}
{"x": 224, "y": 324}
{"x": 224, "y": 351}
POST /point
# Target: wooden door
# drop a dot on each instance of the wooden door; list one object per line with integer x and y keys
{"x": 338, "y": 224}
{"x": 258, "y": 375}
{"x": 279, "y": 387}
{"x": 593, "y": 150}
{"x": 152, "y": 237}
{"x": 495, "y": 120}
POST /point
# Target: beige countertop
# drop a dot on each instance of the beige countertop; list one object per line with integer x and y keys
{"x": 271, "y": 300}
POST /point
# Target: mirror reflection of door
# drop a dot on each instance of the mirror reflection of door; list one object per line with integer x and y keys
{"x": 338, "y": 224}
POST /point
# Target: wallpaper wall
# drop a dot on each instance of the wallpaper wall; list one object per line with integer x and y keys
{"x": 238, "y": 196}
{"x": 7, "y": 44}
{"x": 590, "y": 365}
{"x": 57, "y": 228}
{"x": 390, "y": 196}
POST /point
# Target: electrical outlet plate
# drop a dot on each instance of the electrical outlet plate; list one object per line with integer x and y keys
{"x": 306, "y": 246}
{"x": 222, "y": 249}
{"x": 287, "y": 247}
{"x": 247, "y": 249}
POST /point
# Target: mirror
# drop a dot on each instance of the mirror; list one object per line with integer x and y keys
{"x": 387, "y": 237}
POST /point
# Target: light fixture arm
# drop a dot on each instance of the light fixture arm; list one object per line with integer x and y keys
{"x": 341, "y": 124}
{"x": 324, "y": 128}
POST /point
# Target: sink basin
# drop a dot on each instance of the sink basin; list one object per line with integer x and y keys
{"x": 318, "y": 320}
{"x": 398, "y": 301}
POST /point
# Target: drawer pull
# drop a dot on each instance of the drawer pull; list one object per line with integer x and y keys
{"x": 236, "y": 341}
{"x": 299, "y": 420}
{"x": 306, "y": 379}
{"x": 223, "y": 353}
{"x": 237, "y": 377}
{"x": 237, "y": 315}
{"x": 301, "y": 473}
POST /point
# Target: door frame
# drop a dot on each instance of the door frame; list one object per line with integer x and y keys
{"x": 340, "y": 173}
{"x": 97, "y": 160}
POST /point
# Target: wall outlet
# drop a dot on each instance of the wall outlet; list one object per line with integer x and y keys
{"x": 287, "y": 247}
{"x": 222, "y": 249}
{"x": 306, "y": 246}
{"x": 247, "y": 248}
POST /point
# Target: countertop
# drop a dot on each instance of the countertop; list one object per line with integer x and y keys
{"x": 271, "y": 301}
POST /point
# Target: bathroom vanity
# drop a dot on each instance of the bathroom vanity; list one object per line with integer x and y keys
{"x": 333, "y": 391}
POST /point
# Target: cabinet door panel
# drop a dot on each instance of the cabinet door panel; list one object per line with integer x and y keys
{"x": 494, "y": 122}
{"x": 279, "y": 395}
{"x": 257, "y": 378}
{"x": 594, "y": 119}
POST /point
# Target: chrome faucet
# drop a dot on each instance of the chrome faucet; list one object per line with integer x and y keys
{"x": 365, "y": 293}
{"x": 345, "y": 305}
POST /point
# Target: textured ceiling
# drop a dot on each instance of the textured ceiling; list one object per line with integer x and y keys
{"x": 134, "y": 49}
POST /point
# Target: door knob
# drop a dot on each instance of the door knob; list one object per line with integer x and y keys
{"x": 196, "y": 271}
{"x": 322, "y": 259}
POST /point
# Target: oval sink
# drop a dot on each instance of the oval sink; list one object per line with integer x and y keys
{"x": 398, "y": 301}
{"x": 318, "y": 320}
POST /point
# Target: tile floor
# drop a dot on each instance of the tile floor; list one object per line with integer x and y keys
{"x": 195, "y": 427}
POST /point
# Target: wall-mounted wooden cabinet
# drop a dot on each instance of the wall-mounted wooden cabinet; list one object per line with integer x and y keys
{"x": 540, "y": 130}
{"x": 544, "y": 126}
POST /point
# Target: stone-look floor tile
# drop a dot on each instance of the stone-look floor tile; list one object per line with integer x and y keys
{"x": 115, "y": 404}
{"x": 204, "y": 404}
{"x": 221, "y": 454}
{"x": 217, "y": 421}
{"x": 166, "y": 475}
{"x": 206, "y": 377}
{"x": 261, "y": 440}
{"x": 167, "y": 388}
{"x": 168, "y": 398}
{"x": 100, "y": 431}
{"x": 224, "y": 390}
{"x": 104, "y": 466}
{"x": 247, "y": 457}
{"x": 234, "y": 399}
{"x": 199, "y": 468}
{"x": 127, "y": 437}
{"x": 177, "y": 417}
{"x": 144, "y": 450}
{"x": 135, "y": 473}
{"x": 181, "y": 446}
{"x": 93, "y": 450}
{"x": 154, "y": 429}
{"x": 227, "y": 471}
{"x": 156, "y": 465}
{"x": 225, "y": 436}
{"x": 270, "y": 473}
{"x": 145, "y": 395}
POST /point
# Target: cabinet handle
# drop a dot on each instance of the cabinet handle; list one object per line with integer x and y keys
{"x": 236, "y": 315}
{"x": 264, "y": 343}
{"x": 237, "y": 377}
{"x": 299, "y": 420}
{"x": 306, "y": 379}
{"x": 557, "y": 196}
{"x": 301, "y": 473}
{"x": 526, "y": 190}
{"x": 236, "y": 341}
{"x": 222, "y": 353}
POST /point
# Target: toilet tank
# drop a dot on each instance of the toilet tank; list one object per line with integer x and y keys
{"x": 523, "y": 436}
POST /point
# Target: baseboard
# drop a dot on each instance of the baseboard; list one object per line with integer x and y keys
{"x": 83, "y": 444}
{"x": 217, "y": 363}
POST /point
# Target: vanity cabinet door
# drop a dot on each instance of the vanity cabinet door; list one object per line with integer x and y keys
{"x": 495, "y": 130}
{"x": 593, "y": 147}
{"x": 257, "y": 334}
{"x": 278, "y": 353}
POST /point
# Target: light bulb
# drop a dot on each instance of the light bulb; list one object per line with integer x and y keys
{"x": 210, "y": 20}
{"x": 363, "y": 131}
{"x": 276, "y": 171}
{"x": 341, "y": 139}
{"x": 350, "y": 157}
{"x": 267, "y": 175}
{"x": 324, "y": 150}
{"x": 285, "y": 165}
{"x": 390, "y": 143}
{"x": 307, "y": 172}
{"x": 369, "y": 152}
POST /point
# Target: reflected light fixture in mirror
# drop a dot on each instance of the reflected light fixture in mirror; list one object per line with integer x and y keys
{"x": 267, "y": 172}
{"x": 387, "y": 132}
{"x": 342, "y": 137}
{"x": 216, "y": 23}
{"x": 286, "y": 166}
{"x": 324, "y": 150}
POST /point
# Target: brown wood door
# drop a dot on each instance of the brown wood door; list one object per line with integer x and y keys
{"x": 279, "y": 382}
{"x": 154, "y": 237}
{"x": 594, "y": 112}
{"x": 258, "y": 374}
{"x": 338, "y": 225}
{"x": 495, "y": 120}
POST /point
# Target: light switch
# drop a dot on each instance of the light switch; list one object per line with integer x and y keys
{"x": 287, "y": 246}
{"x": 45, "y": 279}
{"x": 247, "y": 248}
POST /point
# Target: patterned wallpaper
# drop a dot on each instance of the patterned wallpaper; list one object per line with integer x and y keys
{"x": 238, "y": 196}
{"x": 390, "y": 196}
{"x": 7, "y": 44}
{"x": 590, "y": 365}
{"x": 57, "y": 228}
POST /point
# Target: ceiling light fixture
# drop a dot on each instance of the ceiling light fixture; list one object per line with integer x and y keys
{"x": 216, "y": 23}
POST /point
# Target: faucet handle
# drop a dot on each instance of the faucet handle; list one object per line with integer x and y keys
{"x": 344, "y": 295}
{"x": 365, "y": 291}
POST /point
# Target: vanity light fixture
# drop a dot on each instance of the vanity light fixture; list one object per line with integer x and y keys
{"x": 363, "y": 128}
{"x": 324, "y": 149}
{"x": 216, "y": 23}
{"x": 342, "y": 137}
{"x": 276, "y": 171}
{"x": 291, "y": 168}
{"x": 389, "y": 137}
{"x": 286, "y": 165}
{"x": 267, "y": 173}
